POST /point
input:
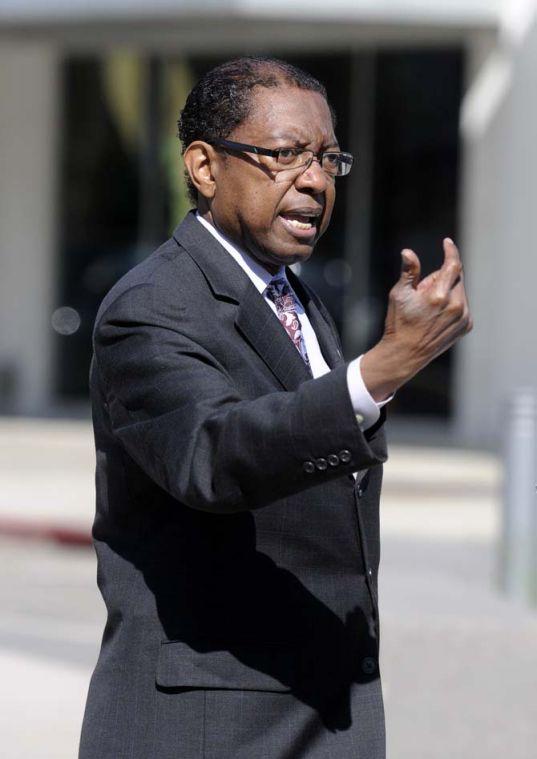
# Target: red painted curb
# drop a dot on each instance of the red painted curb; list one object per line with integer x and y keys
{"x": 54, "y": 533}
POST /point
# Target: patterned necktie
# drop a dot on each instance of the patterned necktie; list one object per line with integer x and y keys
{"x": 280, "y": 293}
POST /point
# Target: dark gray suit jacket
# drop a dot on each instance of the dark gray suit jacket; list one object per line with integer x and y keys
{"x": 240, "y": 585}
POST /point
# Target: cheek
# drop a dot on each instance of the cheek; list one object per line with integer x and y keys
{"x": 329, "y": 207}
{"x": 261, "y": 208}
{"x": 326, "y": 218}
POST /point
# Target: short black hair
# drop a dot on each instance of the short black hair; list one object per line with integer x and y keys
{"x": 222, "y": 98}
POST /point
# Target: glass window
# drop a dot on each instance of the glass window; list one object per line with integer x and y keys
{"x": 415, "y": 189}
{"x": 123, "y": 190}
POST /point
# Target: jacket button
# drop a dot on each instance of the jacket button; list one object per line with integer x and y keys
{"x": 308, "y": 467}
{"x": 345, "y": 456}
{"x": 333, "y": 459}
{"x": 321, "y": 464}
{"x": 368, "y": 665}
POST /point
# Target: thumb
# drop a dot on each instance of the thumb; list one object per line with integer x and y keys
{"x": 410, "y": 268}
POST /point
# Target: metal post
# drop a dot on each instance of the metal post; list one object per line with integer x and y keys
{"x": 519, "y": 528}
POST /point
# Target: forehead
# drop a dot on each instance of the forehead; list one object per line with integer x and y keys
{"x": 288, "y": 114}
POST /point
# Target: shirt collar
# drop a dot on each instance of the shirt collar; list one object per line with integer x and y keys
{"x": 259, "y": 276}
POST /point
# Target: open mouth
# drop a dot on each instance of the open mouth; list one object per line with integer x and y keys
{"x": 300, "y": 224}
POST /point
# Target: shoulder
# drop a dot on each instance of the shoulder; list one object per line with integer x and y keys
{"x": 168, "y": 276}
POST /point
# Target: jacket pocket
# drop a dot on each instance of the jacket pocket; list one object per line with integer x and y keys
{"x": 271, "y": 667}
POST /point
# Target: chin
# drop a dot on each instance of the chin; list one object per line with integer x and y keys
{"x": 294, "y": 257}
{"x": 295, "y": 252}
{"x": 283, "y": 255}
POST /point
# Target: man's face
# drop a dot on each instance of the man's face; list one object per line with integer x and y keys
{"x": 263, "y": 211}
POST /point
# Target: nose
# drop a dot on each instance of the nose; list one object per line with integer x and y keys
{"x": 314, "y": 178}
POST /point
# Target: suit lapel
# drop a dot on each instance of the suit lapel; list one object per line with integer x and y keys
{"x": 326, "y": 337}
{"x": 255, "y": 320}
{"x": 261, "y": 328}
{"x": 320, "y": 321}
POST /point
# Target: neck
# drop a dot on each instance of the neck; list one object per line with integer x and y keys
{"x": 206, "y": 214}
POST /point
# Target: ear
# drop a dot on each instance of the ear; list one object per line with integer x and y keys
{"x": 200, "y": 160}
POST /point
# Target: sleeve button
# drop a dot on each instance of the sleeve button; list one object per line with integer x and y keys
{"x": 369, "y": 665}
{"x": 359, "y": 418}
{"x": 345, "y": 456}
{"x": 321, "y": 464}
{"x": 308, "y": 467}
{"x": 333, "y": 459}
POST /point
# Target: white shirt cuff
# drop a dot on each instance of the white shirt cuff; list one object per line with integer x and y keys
{"x": 367, "y": 410}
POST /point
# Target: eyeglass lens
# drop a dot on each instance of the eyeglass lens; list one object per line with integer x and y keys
{"x": 335, "y": 164}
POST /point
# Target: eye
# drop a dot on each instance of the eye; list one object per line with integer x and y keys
{"x": 331, "y": 159}
{"x": 288, "y": 156}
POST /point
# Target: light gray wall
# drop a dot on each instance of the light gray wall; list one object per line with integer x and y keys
{"x": 403, "y": 11}
{"x": 28, "y": 131}
{"x": 500, "y": 219}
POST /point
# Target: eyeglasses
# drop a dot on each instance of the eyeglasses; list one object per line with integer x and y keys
{"x": 334, "y": 163}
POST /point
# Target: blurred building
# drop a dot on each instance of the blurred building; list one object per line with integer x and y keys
{"x": 437, "y": 100}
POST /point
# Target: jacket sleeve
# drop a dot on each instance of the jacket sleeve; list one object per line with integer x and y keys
{"x": 179, "y": 415}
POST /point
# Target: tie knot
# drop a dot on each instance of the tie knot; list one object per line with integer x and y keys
{"x": 280, "y": 293}
{"x": 277, "y": 288}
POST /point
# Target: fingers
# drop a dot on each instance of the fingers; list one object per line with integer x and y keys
{"x": 457, "y": 308}
{"x": 456, "y": 305}
{"x": 450, "y": 273}
{"x": 410, "y": 268}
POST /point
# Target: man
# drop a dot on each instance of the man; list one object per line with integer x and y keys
{"x": 239, "y": 458}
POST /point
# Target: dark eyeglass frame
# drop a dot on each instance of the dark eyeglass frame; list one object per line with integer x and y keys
{"x": 242, "y": 147}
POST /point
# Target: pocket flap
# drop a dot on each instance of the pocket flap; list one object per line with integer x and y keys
{"x": 267, "y": 668}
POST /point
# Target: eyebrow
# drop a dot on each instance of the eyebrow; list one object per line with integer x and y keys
{"x": 297, "y": 143}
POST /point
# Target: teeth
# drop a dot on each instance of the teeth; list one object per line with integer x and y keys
{"x": 299, "y": 224}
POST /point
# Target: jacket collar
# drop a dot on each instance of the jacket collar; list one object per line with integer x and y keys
{"x": 224, "y": 276}
{"x": 255, "y": 320}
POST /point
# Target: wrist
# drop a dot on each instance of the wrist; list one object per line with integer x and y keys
{"x": 385, "y": 368}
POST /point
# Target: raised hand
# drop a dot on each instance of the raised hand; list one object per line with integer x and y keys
{"x": 425, "y": 317}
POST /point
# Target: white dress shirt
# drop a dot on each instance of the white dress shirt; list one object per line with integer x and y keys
{"x": 367, "y": 410}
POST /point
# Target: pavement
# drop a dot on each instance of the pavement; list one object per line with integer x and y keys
{"x": 46, "y": 475}
{"x": 459, "y": 660}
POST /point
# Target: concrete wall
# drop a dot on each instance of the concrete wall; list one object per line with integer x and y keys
{"x": 28, "y": 132}
{"x": 500, "y": 215}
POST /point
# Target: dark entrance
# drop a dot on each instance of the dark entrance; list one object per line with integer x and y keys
{"x": 122, "y": 188}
